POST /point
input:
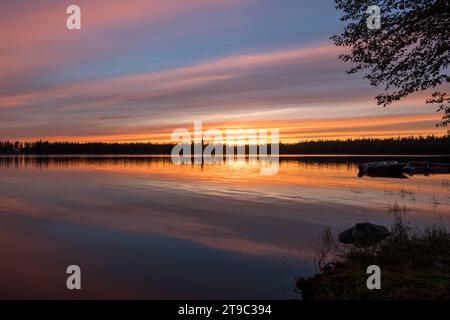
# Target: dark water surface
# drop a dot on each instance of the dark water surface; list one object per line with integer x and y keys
{"x": 143, "y": 227}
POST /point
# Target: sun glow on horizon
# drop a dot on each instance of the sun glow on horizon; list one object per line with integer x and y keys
{"x": 291, "y": 131}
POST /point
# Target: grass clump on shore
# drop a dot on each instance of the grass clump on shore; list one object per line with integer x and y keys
{"x": 414, "y": 265}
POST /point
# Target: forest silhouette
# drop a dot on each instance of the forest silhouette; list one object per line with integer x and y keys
{"x": 430, "y": 145}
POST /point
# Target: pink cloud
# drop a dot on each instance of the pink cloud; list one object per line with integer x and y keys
{"x": 147, "y": 85}
{"x": 39, "y": 38}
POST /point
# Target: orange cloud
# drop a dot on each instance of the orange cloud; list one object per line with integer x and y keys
{"x": 291, "y": 131}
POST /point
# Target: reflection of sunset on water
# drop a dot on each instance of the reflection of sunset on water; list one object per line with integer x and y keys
{"x": 228, "y": 210}
{"x": 297, "y": 177}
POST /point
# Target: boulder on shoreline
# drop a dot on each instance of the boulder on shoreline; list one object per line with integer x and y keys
{"x": 364, "y": 235}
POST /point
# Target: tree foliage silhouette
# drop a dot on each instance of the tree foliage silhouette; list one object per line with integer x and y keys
{"x": 409, "y": 53}
{"x": 400, "y": 145}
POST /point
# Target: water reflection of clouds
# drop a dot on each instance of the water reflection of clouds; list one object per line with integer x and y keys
{"x": 227, "y": 208}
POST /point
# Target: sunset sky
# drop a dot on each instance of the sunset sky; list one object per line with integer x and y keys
{"x": 139, "y": 69}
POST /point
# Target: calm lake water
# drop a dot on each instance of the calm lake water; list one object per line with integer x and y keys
{"x": 143, "y": 227}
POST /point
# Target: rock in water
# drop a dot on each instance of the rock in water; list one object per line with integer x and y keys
{"x": 364, "y": 235}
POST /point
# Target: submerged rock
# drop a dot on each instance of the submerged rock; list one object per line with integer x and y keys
{"x": 364, "y": 234}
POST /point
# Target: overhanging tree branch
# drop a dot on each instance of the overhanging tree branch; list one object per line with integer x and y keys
{"x": 410, "y": 53}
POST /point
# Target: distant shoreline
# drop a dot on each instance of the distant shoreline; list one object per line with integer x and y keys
{"x": 120, "y": 155}
{"x": 407, "y": 146}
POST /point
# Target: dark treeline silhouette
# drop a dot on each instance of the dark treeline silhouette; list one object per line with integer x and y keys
{"x": 45, "y": 147}
{"x": 408, "y": 145}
